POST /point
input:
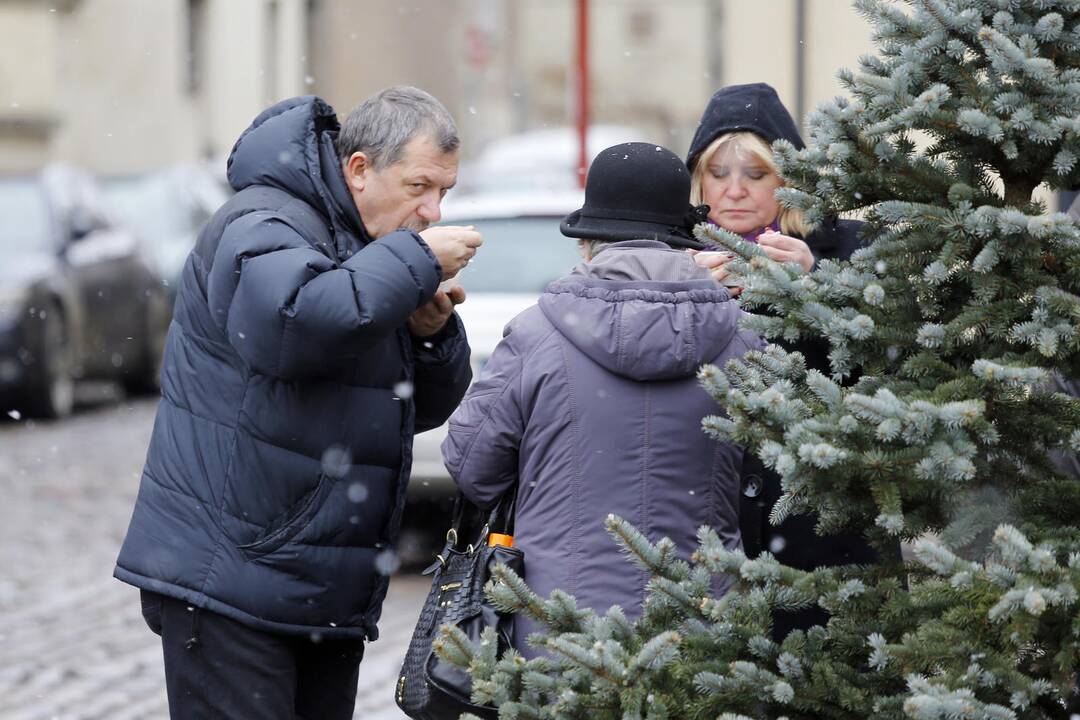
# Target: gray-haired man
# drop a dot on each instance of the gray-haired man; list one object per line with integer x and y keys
{"x": 309, "y": 342}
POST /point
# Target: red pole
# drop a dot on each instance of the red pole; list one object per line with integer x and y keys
{"x": 582, "y": 87}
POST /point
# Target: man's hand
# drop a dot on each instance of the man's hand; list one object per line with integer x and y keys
{"x": 430, "y": 317}
{"x": 453, "y": 246}
{"x": 785, "y": 249}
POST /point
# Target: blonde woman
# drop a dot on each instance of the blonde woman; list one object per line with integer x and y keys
{"x": 733, "y": 171}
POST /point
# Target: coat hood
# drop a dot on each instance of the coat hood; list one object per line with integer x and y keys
{"x": 290, "y": 146}
{"x": 754, "y": 108}
{"x": 643, "y": 310}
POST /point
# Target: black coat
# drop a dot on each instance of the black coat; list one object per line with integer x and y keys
{"x": 794, "y": 542}
{"x": 276, "y": 474}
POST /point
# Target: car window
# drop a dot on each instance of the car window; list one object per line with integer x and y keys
{"x": 153, "y": 208}
{"x": 519, "y": 255}
{"x": 24, "y": 216}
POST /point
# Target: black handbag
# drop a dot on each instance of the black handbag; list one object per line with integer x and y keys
{"x": 428, "y": 687}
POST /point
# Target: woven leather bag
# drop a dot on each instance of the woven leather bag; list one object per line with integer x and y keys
{"x": 429, "y": 688}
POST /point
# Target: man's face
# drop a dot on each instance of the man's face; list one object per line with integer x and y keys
{"x": 406, "y": 194}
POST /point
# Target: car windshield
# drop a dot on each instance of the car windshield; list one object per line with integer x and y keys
{"x": 157, "y": 209}
{"x": 24, "y": 216}
{"x": 519, "y": 255}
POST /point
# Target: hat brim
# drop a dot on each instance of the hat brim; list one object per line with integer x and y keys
{"x": 612, "y": 230}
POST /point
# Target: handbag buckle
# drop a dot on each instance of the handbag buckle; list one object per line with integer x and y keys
{"x": 451, "y": 533}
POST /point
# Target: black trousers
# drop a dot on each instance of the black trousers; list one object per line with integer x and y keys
{"x": 218, "y": 668}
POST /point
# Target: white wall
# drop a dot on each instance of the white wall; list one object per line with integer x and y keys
{"x": 108, "y": 79}
{"x": 28, "y": 84}
{"x": 113, "y": 73}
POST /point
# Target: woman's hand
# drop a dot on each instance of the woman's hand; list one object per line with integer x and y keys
{"x": 784, "y": 248}
{"x": 716, "y": 264}
{"x": 778, "y": 247}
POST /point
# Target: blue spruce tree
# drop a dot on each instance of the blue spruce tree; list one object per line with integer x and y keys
{"x": 943, "y": 425}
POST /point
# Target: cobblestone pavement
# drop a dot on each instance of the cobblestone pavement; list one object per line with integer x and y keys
{"x": 73, "y": 645}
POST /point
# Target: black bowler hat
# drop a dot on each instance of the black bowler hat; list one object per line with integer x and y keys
{"x": 637, "y": 191}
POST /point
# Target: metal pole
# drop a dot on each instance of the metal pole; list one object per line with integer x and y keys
{"x": 800, "y": 62}
{"x": 714, "y": 44}
{"x": 582, "y": 88}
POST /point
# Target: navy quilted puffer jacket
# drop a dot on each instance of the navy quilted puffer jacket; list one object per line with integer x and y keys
{"x": 277, "y": 469}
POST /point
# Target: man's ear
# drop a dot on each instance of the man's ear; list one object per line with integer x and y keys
{"x": 355, "y": 170}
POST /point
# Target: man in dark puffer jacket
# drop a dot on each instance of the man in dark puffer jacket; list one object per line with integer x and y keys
{"x": 309, "y": 342}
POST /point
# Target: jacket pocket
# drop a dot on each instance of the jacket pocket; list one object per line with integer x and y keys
{"x": 291, "y": 522}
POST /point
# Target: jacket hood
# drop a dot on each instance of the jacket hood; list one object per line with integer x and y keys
{"x": 643, "y": 310}
{"x": 290, "y": 146}
{"x": 755, "y": 108}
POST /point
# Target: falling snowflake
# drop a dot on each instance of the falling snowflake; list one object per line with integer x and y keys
{"x": 357, "y": 492}
{"x": 336, "y": 460}
{"x": 387, "y": 562}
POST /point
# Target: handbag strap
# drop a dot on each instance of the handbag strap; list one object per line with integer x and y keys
{"x": 500, "y": 519}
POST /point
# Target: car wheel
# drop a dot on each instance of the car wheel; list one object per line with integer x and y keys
{"x": 146, "y": 379}
{"x": 53, "y": 395}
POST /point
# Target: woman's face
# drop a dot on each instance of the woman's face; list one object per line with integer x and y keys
{"x": 738, "y": 188}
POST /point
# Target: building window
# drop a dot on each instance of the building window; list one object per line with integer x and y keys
{"x": 641, "y": 25}
{"x": 195, "y": 66}
{"x": 272, "y": 50}
{"x": 312, "y": 20}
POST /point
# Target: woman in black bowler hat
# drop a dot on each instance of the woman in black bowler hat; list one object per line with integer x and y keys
{"x": 590, "y": 405}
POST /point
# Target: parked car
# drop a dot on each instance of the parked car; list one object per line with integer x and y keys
{"x": 523, "y": 251}
{"x": 78, "y": 297}
{"x": 544, "y": 160}
{"x": 166, "y": 210}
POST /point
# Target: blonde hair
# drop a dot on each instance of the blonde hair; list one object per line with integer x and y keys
{"x": 589, "y": 248}
{"x": 792, "y": 221}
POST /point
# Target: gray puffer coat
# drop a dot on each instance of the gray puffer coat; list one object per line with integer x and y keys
{"x": 591, "y": 404}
